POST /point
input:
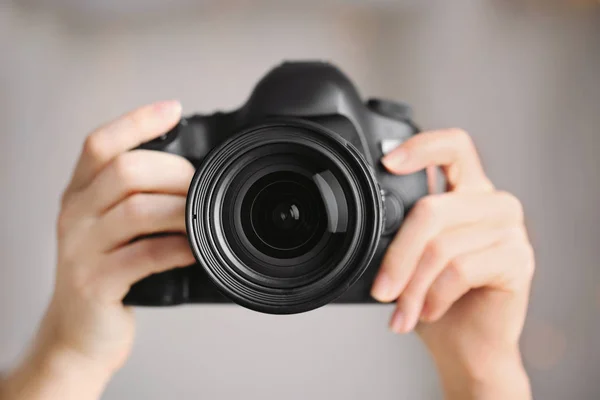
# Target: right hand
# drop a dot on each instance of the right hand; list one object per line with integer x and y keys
{"x": 115, "y": 195}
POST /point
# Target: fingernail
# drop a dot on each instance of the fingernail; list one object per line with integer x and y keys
{"x": 382, "y": 288}
{"x": 169, "y": 107}
{"x": 395, "y": 159}
{"x": 397, "y": 323}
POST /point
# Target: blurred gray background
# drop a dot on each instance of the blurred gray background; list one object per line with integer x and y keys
{"x": 521, "y": 76}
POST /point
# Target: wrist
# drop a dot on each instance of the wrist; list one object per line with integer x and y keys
{"x": 50, "y": 372}
{"x": 487, "y": 375}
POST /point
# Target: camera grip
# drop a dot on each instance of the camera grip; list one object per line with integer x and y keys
{"x": 161, "y": 289}
{"x": 192, "y": 138}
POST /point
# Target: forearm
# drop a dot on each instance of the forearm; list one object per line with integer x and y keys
{"x": 51, "y": 374}
{"x": 490, "y": 377}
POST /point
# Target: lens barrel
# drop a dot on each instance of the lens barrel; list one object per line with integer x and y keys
{"x": 284, "y": 217}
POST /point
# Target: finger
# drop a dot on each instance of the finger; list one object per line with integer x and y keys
{"x": 133, "y": 172}
{"x": 452, "y": 149}
{"x": 437, "y": 254}
{"x": 432, "y": 180}
{"x": 138, "y": 260}
{"x": 125, "y": 133}
{"x": 139, "y": 215}
{"x": 430, "y": 216}
{"x": 506, "y": 266}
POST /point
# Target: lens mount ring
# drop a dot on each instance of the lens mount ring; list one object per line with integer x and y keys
{"x": 213, "y": 251}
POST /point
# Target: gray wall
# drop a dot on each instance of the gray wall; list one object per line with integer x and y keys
{"x": 524, "y": 83}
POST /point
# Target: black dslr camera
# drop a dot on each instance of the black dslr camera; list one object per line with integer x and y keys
{"x": 289, "y": 208}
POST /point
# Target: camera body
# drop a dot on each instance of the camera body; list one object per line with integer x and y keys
{"x": 301, "y": 116}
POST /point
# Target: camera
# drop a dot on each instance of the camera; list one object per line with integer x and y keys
{"x": 289, "y": 208}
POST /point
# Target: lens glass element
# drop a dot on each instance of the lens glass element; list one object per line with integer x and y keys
{"x": 283, "y": 214}
{"x": 288, "y": 211}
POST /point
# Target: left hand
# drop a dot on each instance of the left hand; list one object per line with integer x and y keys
{"x": 461, "y": 265}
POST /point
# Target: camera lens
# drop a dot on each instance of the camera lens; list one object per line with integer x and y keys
{"x": 284, "y": 217}
{"x": 283, "y": 214}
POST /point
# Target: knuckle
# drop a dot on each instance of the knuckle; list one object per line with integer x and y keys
{"x": 518, "y": 235}
{"x": 94, "y": 146}
{"x": 456, "y": 271}
{"x": 529, "y": 272}
{"x": 437, "y": 250}
{"x": 126, "y": 169}
{"x": 188, "y": 171}
{"x": 461, "y": 136}
{"x": 427, "y": 209}
{"x": 136, "y": 208}
{"x": 513, "y": 203}
{"x": 529, "y": 257}
{"x": 523, "y": 264}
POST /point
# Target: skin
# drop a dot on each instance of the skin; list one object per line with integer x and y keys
{"x": 460, "y": 268}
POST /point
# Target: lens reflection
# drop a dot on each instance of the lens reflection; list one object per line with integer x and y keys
{"x": 286, "y": 216}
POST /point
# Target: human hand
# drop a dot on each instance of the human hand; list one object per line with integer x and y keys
{"x": 460, "y": 270}
{"x": 115, "y": 195}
